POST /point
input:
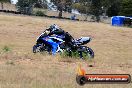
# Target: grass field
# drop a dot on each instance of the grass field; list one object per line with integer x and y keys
{"x": 20, "y": 68}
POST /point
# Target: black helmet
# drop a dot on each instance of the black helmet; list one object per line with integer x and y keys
{"x": 53, "y": 27}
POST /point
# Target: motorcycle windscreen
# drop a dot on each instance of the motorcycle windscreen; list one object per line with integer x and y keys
{"x": 84, "y": 40}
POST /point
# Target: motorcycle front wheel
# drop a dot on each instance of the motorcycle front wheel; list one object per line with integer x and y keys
{"x": 37, "y": 48}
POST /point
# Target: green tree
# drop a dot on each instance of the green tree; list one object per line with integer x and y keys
{"x": 126, "y": 8}
{"x": 114, "y": 8}
{"x": 106, "y": 4}
{"x": 62, "y": 5}
{"x": 2, "y": 2}
{"x": 80, "y": 7}
{"x": 26, "y": 6}
{"x": 90, "y": 7}
{"x": 96, "y": 8}
{"x": 85, "y": 6}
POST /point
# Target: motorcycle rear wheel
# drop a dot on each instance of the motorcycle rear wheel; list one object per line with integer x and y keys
{"x": 90, "y": 52}
{"x": 87, "y": 53}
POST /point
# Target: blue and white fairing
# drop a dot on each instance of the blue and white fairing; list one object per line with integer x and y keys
{"x": 82, "y": 40}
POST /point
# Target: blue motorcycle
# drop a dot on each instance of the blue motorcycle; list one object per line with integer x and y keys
{"x": 44, "y": 42}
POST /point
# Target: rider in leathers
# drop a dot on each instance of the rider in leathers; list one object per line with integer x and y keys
{"x": 54, "y": 29}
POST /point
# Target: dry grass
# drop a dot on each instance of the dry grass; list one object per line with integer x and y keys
{"x": 20, "y": 68}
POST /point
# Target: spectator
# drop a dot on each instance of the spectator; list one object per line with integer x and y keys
{"x": 73, "y": 17}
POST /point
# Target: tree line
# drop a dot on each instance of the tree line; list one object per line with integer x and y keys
{"x": 88, "y": 7}
{"x": 98, "y": 7}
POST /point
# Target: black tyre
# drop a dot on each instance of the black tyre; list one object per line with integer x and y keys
{"x": 86, "y": 52}
{"x": 90, "y": 52}
{"x": 36, "y": 48}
